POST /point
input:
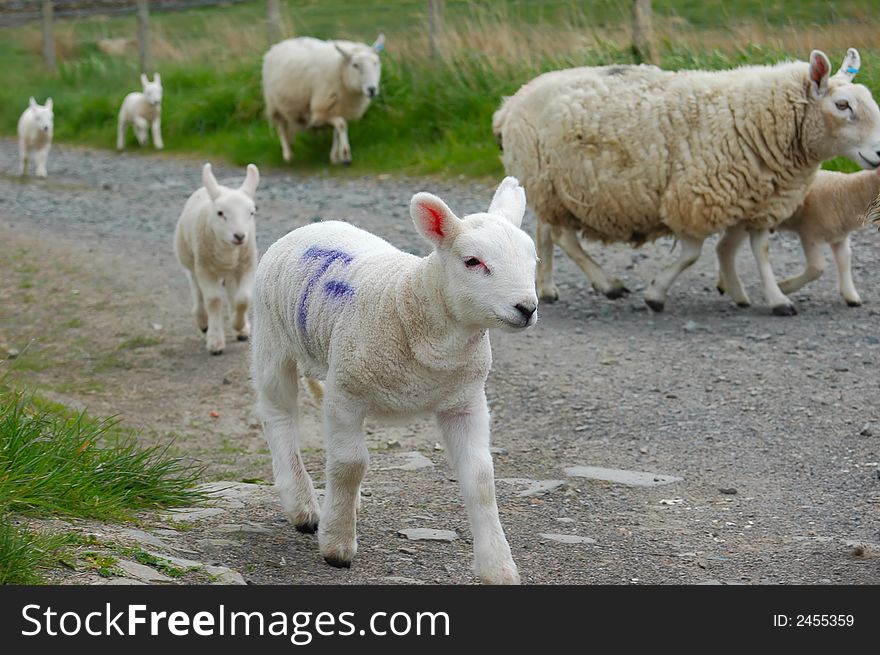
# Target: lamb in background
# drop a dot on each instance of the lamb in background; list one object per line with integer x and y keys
{"x": 394, "y": 336}
{"x": 144, "y": 112}
{"x": 35, "y": 130}
{"x": 215, "y": 241}
{"x": 633, "y": 153}
{"x": 308, "y": 83}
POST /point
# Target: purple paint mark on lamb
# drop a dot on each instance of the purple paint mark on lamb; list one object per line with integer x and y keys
{"x": 334, "y": 289}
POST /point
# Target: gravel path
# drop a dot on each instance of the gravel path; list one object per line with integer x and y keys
{"x": 771, "y": 423}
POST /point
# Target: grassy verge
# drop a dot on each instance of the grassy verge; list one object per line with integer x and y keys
{"x": 434, "y": 113}
{"x": 57, "y": 463}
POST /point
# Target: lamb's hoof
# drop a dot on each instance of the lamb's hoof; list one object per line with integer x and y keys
{"x": 720, "y": 290}
{"x": 346, "y": 162}
{"x": 742, "y": 304}
{"x": 853, "y": 303}
{"x": 307, "y": 528}
{"x": 204, "y": 330}
{"x": 614, "y": 293}
{"x": 338, "y": 562}
{"x": 242, "y": 337}
{"x": 217, "y": 352}
{"x": 549, "y": 295}
{"x": 655, "y": 305}
{"x": 784, "y": 310}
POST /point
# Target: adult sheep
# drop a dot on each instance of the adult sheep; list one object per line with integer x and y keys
{"x": 308, "y": 83}
{"x": 633, "y": 153}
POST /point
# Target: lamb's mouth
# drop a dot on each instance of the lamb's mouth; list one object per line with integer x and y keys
{"x": 513, "y": 325}
{"x": 872, "y": 164}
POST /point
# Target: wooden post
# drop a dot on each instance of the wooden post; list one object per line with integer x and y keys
{"x": 143, "y": 19}
{"x": 435, "y": 27}
{"x": 48, "y": 37}
{"x": 273, "y": 21}
{"x": 643, "y": 31}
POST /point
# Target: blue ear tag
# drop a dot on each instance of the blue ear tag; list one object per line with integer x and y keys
{"x": 852, "y": 71}
{"x": 381, "y": 47}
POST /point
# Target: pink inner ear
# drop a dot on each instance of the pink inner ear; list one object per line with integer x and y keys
{"x": 436, "y": 220}
{"x": 818, "y": 69}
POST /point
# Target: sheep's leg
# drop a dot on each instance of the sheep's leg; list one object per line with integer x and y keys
{"x": 281, "y": 126}
{"x": 571, "y": 246}
{"x": 334, "y": 149}
{"x": 347, "y": 462}
{"x": 141, "y": 126}
{"x": 842, "y": 251}
{"x": 728, "y": 278}
{"x": 655, "y": 296}
{"x": 466, "y": 435}
{"x": 343, "y": 152}
{"x": 22, "y": 157}
{"x": 239, "y": 293}
{"x": 120, "y": 132}
{"x": 212, "y": 292}
{"x": 813, "y": 270}
{"x": 544, "y": 241}
{"x": 42, "y": 159}
{"x": 276, "y": 383}
{"x": 156, "y": 129}
{"x": 779, "y": 304}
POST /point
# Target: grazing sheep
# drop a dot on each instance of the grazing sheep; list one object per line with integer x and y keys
{"x": 309, "y": 83}
{"x": 394, "y": 336}
{"x": 633, "y": 153}
{"x": 143, "y": 111}
{"x": 215, "y": 241}
{"x": 35, "y": 128}
{"x": 834, "y": 207}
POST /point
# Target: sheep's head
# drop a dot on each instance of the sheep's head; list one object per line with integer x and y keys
{"x": 152, "y": 90}
{"x": 487, "y": 261}
{"x": 232, "y": 210}
{"x": 361, "y": 68}
{"x": 42, "y": 114}
{"x": 842, "y": 117}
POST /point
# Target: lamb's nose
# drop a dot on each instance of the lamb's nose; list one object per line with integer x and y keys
{"x": 525, "y": 310}
{"x": 371, "y": 91}
{"x": 239, "y": 237}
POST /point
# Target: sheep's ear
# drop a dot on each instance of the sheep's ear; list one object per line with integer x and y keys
{"x": 433, "y": 219}
{"x": 851, "y": 64}
{"x": 346, "y": 55}
{"x": 32, "y": 103}
{"x": 157, "y": 79}
{"x": 48, "y": 104}
{"x": 379, "y": 43}
{"x": 144, "y": 80}
{"x": 210, "y": 182}
{"x": 251, "y": 181}
{"x": 509, "y": 201}
{"x": 820, "y": 68}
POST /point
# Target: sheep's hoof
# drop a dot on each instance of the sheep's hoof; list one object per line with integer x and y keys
{"x": 346, "y": 162}
{"x": 720, "y": 290}
{"x": 338, "y": 562}
{"x": 742, "y": 304}
{"x": 854, "y": 303}
{"x": 784, "y": 310}
{"x": 242, "y": 337}
{"x": 616, "y": 292}
{"x": 655, "y": 305}
{"x": 204, "y": 330}
{"x": 217, "y": 352}
{"x": 550, "y": 294}
{"x": 307, "y": 528}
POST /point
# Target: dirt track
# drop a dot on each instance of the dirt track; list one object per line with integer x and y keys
{"x": 781, "y": 410}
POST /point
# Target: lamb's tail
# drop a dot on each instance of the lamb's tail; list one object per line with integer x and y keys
{"x": 316, "y": 389}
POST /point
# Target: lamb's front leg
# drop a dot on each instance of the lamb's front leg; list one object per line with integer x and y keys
{"x": 212, "y": 293}
{"x": 141, "y": 128}
{"x": 22, "y": 157}
{"x": 156, "y": 128}
{"x": 42, "y": 160}
{"x": 347, "y": 462}
{"x": 779, "y": 304}
{"x": 239, "y": 293}
{"x": 466, "y": 434}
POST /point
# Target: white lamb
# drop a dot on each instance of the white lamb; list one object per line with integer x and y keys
{"x": 143, "y": 111}
{"x": 834, "y": 207}
{"x": 308, "y": 83}
{"x": 394, "y": 336}
{"x": 215, "y": 241}
{"x": 632, "y": 153}
{"x": 35, "y": 128}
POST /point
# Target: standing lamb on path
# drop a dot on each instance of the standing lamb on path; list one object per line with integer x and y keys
{"x": 394, "y": 336}
{"x": 308, "y": 83}
{"x": 35, "y": 129}
{"x": 834, "y": 207}
{"x": 633, "y": 153}
{"x": 143, "y": 111}
{"x": 215, "y": 241}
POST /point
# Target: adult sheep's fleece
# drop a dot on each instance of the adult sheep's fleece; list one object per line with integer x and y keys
{"x": 632, "y": 153}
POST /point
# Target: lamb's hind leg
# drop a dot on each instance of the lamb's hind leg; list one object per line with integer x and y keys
{"x": 813, "y": 270}
{"x": 276, "y": 384}
{"x": 568, "y": 240}
{"x": 655, "y": 296}
{"x": 728, "y": 278}
{"x": 779, "y": 304}
{"x": 843, "y": 257}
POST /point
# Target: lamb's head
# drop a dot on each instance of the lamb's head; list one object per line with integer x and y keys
{"x": 487, "y": 263}
{"x": 231, "y": 217}
{"x": 842, "y": 117}
{"x": 152, "y": 90}
{"x": 42, "y": 115}
{"x": 361, "y": 68}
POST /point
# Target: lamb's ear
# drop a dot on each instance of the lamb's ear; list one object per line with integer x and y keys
{"x": 379, "y": 43}
{"x": 346, "y": 55}
{"x": 509, "y": 201}
{"x": 820, "y": 68}
{"x": 32, "y": 103}
{"x": 144, "y": 80}
{"x": 433, "y": 219}
{"x": 210, "y": 182}
{"x": 48, "y": 104}
{"x": 851, "y": 64}
{"x": 157, "y": 79}
{"x": 251, "y": 181}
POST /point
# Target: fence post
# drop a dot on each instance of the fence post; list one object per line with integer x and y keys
{"x": 143, "y": 19}
{"x": 48, "y": 37}
{"x": 435, "y": 26}
{"x": 273, "y": 21}
{"x": 643, "y": 31}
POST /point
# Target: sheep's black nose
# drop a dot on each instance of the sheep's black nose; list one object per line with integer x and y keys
{"x": 371, "y": 91}
{"x": 525, "y": 310}
{"x": 239, "y": 237}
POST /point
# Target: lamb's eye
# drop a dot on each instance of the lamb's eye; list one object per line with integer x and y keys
{"x": 220, "y": 214}
{"x": 357, "y": 67}
{"x": 842, "y": 105}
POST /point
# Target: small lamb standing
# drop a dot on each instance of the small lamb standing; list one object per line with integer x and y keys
{"x": 308, "y": 83}
{"x": 394, "y": 336}
{"x": 215, "y": 241}
{"x": 834, "y": 207}
{"x": 143, "y": 111}
{"x": 35, "y": 129}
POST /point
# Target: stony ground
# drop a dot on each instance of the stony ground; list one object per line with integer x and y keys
{"x": 770, "y": 423}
